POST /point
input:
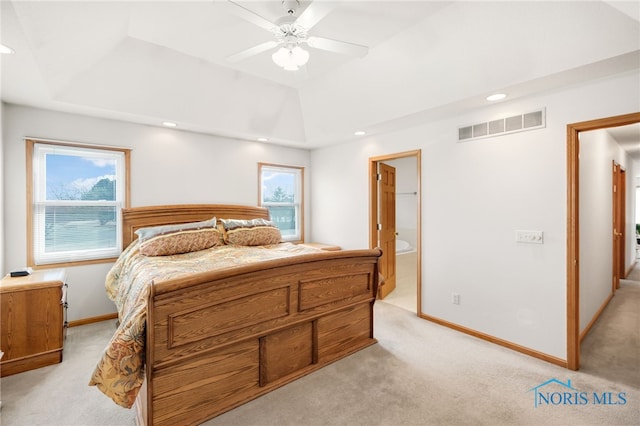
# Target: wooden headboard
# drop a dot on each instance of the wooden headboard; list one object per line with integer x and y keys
{"x": 134, "y": 218}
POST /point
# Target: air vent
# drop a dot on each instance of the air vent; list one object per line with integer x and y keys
{"x": 512, "y": 124}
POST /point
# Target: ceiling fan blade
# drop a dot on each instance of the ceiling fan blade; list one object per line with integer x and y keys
{"x": 262, "y": 47}
{"x": 252, "y": 17}
{"x": 314, "y": 13}
{"x": 338, "y": 46}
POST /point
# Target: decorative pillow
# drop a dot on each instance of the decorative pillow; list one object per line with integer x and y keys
{"x": 253, "y": 232}
{"x": 181, "y": 238}
{"x": 146, "y": 233}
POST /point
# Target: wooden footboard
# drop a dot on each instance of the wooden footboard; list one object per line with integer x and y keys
{"x": 220, "y": 339}
{"x": 216, "y": 340}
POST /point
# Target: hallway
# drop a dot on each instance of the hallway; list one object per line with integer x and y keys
{"x": 611, "y": 349}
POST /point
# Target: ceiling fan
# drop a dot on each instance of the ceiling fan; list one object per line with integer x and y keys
{"x": 290, "y": 32}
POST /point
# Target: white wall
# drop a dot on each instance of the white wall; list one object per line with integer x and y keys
{"x": 475, "y": 195}
{"x": 167, "y": 167}
{"x": 598, "y": 150}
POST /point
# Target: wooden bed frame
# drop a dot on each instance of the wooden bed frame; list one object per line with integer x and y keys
{"x": 216, "y": 340}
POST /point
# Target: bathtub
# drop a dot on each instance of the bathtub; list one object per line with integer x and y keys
{"x": 403, "y": 246}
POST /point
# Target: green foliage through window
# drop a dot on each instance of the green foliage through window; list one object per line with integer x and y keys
{"x": 78, "y": 192}
{"x": 281, "y": 192}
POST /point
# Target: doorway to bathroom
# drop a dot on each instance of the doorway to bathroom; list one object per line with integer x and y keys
{"x": 395, "y": 226}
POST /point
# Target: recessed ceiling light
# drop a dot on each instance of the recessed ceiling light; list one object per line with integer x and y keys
{"x": 169, "y": 124}
{"x": 496, "y": 97}
{"x": 6, "y": 49}
{"x": 360, "y": 133}
{"x": 263, "y": 140}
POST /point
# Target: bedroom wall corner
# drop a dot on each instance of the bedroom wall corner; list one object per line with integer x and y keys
{"x": 167, "y": 167}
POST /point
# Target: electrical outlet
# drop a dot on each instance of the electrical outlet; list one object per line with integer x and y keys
{"x": 455, "y": 298}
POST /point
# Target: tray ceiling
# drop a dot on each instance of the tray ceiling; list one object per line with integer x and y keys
{"x": 152, "y": 61}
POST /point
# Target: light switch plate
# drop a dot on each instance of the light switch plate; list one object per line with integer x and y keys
{"x": 531, "y": 237}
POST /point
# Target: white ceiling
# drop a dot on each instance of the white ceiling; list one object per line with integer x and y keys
{"x": 151, "y": 61}
{"x": 628, "y": 137}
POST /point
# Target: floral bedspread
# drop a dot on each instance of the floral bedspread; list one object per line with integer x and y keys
{"x": 120, "y": 372}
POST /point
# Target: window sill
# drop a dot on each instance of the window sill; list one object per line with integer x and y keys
{"x": 76, "y": 263}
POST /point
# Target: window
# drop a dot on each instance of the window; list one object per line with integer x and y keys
{"x": 75, "y": 196}
{"x": 281, "y": 191}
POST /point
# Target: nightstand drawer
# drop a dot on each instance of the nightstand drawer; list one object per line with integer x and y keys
{"x": 33, "y": 310}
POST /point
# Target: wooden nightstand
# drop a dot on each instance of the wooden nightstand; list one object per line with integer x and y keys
{"x": 322, "y": 246}
{"x": 33, "y": 312}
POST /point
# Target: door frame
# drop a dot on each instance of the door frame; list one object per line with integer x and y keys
{"x": 573, "y": 225}
{"x": 373, "y": 210}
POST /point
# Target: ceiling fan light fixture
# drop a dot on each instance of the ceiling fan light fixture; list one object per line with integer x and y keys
{"x": 290, "y": 58}
{"x": 6, "y": 50}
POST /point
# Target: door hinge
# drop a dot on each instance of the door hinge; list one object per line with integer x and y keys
{"x": 379, "y": 227}
{"x": 378, "y": 176}
{"x": 615, "y": 187}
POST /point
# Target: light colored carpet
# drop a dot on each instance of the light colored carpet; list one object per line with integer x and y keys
{"x": 59, "y": 394}
{"x": 418, "y": 374}
{"x": 424, "y": 374}
{"x": 612, "y": 347}
{"x": 634, "y": 274}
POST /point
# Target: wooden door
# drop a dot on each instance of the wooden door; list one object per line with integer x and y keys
{"x": 619, "y": 221}
{"x": 387, "y": 227}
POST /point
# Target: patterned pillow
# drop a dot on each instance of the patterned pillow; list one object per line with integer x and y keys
{"x": 176, "y": 239}
{"x": 146, "y": 233}
{"x": 253, "y": 232}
